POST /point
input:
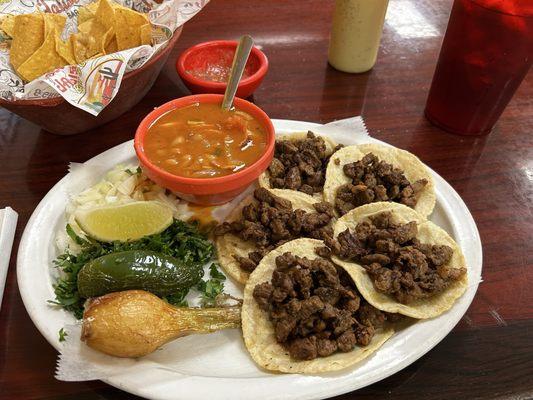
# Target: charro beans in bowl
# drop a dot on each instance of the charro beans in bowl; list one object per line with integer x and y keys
{"x": 203, "y": 141}
{"x": 202, "y": 153}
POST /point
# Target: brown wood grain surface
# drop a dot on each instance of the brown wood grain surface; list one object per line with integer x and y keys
{"x": 489, "y": 355}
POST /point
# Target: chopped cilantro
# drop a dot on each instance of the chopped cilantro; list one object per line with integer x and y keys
{"x": 62, "y": 335}
{"x": 73, "y": 236}
{"x": 177, "y": 299}
{"x": 215, "y": 273}
{"x": 210, "y": 289}
{"x": 181, "y": 240}
{"x": 136, "y": 171}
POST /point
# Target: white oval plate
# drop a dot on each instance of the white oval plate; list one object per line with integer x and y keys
{"x": 217, "y": 366}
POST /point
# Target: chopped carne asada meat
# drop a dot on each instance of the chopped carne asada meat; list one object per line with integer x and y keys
{"x": 300, "y": 164}
{"x": 375, "y": 180}
{"x": 271, "y": 221}
{"x": 316, "y": 309}
{"x": 396, "y": 261}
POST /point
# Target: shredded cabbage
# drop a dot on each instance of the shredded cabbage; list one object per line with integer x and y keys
{"x": 123, "y": 184}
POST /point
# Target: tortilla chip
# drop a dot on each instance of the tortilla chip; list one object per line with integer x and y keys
{"x": 146, "y": 34}
{"x": 428, "y": 232}
{"x": 91, "y": 34}
{"x": 79, "y": 48}
{"x": 264, "y": 178}
{"x": 258, "y": 331}
{"x": 109, "y": 36}
{"x": 54, "y": 21}
{"x": 413, "y": 169}
{"x": 28, "y": 36}
{"x": 94, "y": 28}
{"x": 107, "y": 39}
{"x": 8, "y": 24}
{"x": 116, "y": 6}
{"x": 105, "y": 14}
{"x": 66, "y": 51}
{"x": 229, "y": 244}
{"x": 92, "y": 7}
{"x": 127, "y": 27}
{"x": 45, "y": 59}
{"x": 112, "y": 47}
{"x": 84, "y": 14}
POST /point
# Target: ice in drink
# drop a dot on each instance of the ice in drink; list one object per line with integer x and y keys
{"x": 486, "y": 53}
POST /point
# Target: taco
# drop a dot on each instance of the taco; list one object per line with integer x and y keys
{"x": 303, "y": 314}
{"x": 263, "y": 221}
{"x": 299, "y": 163}
{"x": 367, "y": 173}
{"x": 400, "y": 262}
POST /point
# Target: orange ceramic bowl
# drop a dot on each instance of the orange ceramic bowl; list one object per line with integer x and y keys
{"x": 205, "y": 191}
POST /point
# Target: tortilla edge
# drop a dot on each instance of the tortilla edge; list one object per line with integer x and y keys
{"x": 225, "y": 244}
{"x": 264, "y": 178}
{"x": 258, "y": 332}
{"x": 425, "y": 308}
{"x": 406, "y": 160}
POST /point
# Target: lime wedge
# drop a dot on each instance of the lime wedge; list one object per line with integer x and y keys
{"x": 124, "y": 222}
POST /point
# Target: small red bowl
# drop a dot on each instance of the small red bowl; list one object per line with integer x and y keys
{"x": 219, "y": 53}
{"x": 205, "y": 191}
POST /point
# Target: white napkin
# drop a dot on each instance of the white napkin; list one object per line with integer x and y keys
{"x": 78, "y": 362}
{"x": 348, "y": 131}
{"x": 8, "y": 224}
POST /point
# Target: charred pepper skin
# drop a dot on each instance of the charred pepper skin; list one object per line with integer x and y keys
{"x": 137, "y": 269}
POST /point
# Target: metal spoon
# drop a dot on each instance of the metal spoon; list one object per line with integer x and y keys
{"x": 237, "y": 68}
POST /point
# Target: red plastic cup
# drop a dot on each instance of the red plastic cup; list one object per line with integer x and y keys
{"x": 486, "y": 53}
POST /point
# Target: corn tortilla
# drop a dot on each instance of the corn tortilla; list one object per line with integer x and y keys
{"x": 258, "y": 331}
{"x": 112, "y": 46}
{"x": 228, "y": 245}
{"x": 127, "y": 27}
{"x": 264, "y": 178}
{"x": 146, "y": 34}
{"x": 44, "y": 60}
{"x": 92, "y": 7}
{"x": 79, "y": 49}
{"x": 28, "y": 36}
{"x": 108, "y": 38}
{"x": 54, "y": 22}
{"x": 7, "y": 24}
{"x": 65, "y": 50}
{"x": 94, "y": 34}
{"x": 429, "y": 233}
{"x": 105, "y": 14}
{"x": 84, "y": 14}
{"x": 413, "y": 169}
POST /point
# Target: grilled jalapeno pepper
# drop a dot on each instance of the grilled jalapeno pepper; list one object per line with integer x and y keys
{"x": 137, "y": 269}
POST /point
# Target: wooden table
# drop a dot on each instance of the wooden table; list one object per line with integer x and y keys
{"x": 489, "y": 355}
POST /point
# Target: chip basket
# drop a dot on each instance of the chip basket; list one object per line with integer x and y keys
{"x": 57, "y": 116}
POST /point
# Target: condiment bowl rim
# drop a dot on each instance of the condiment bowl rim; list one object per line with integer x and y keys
{"x": 258, "y": 74}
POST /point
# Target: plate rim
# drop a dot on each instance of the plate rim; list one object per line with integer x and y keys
{"x": 330, "y": 389}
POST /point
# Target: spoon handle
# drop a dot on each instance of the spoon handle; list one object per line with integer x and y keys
{"x": 237, "y": 68}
